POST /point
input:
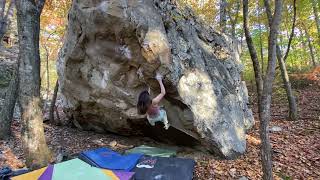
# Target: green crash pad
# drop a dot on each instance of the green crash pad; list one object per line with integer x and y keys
{"x": 77, "y": 170}
{"x": 152, "y": 151}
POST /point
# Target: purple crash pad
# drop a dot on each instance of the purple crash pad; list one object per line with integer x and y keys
{"x": 47, "y": 174}
{"x": 123, "y": 175}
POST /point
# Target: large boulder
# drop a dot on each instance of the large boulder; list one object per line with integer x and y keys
{"x": 112, "y": 51}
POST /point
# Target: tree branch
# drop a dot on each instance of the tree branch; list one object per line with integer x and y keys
{"x": 292, "y": 30}
{"x": 268, "y": 11}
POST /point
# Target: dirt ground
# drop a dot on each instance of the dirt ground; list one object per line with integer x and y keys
{"x": 296, "y": 148}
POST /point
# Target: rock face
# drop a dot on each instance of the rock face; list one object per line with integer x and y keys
{"x": 6, "y": 71}
{"x": 114, "y": 48}
{"x": 8, "y": 57}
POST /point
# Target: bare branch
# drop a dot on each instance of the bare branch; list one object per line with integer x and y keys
{"x": 223, "y": 17}
{"x": 292, "y": 30}
{"x": 268, "y": 11}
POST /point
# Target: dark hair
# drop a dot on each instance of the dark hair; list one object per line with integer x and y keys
{"x": 144, "y": 101}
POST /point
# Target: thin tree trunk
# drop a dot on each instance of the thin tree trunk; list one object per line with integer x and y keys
{"x": 252, "y": 51}
{"x": 6, "y": 113}
{"x": 304, "y": 46}
{"x": 292, "y": 30}
{"x": 235, "y": 20}
{"x": 316, "y": 17}
{"x": 223, "y": 15}
{"x": 53, "y": 105}
{"x": 260, "y": 41}
{"x": 47, "y": 63}
{"x": 293, "y": 112}
{"x": 313, "y": 59}
{"x": 32, "y": 135}
{"x": 48, "y": 76}
{"x": 267, "y": 91}
{"x": 261, "y": 49}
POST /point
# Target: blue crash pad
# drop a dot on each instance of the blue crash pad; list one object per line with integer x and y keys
{"x": 108, "y": 159}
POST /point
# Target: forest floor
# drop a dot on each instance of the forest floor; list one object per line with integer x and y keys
{"x": 296, "y": 148}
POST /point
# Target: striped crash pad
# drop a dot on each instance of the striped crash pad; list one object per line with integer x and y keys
{"x": 30, "y": 176}
{"x": 75, "y": 169}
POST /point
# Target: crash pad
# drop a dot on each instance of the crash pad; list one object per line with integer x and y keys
{"x": 162, "y": 168}
{"x": 123, "y": 175}
{"x": 110, "y": 174}
{"x": 108, "y": 159}
{"x": 31, "y": 175}
{"x": 152, "y": 151}
{"x": 47, "y": 174}
{"x": 76, "y": 169}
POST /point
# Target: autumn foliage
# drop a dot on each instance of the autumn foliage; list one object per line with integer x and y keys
{"x": 306, "y": 79}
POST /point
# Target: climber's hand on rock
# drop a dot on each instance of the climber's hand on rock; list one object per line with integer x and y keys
{"x": 159, "y": 77}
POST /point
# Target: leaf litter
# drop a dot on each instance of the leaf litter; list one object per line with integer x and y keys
{"x": 295, "y": 149}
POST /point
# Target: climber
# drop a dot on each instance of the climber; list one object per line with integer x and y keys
{"x": 151, "y": 107}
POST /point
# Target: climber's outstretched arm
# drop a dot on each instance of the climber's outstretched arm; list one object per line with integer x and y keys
{"x": 157, "y": 99}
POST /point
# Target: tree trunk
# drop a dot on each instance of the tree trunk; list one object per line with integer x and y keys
{"x": 32, "y": 135}
{"x": 292, "y": 30}
{"x": 316, "y": 17}
{"x": 252, "y": 51}
{"x": 53, "y": 104}
{"x": 313, "y": 59}
{"x": 5, "y": 18}
{"x": 261, "y": 49}
{"x": 293, "y": 112}
{"x": 260, "y": 40}
{"x": 7, "y": 111}
{"x": 302, "y": 39}
{"x": 264, "y": 115}
{"x": 48, "y": 75}
{"x": 235, "y": 20}
{"x": 223, "y": 15}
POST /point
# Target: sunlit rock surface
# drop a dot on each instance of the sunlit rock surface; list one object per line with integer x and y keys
{"x": 112, "y": 51}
